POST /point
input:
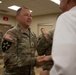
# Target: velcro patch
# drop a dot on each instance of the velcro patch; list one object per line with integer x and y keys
{"x": 6, "y": 45}
{"x": 8, "y": 36}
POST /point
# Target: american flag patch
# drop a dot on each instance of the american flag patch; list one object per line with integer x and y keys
{"x": 8, "y": 36}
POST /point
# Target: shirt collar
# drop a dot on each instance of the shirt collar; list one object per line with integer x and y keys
{"x": 23, "y": 31}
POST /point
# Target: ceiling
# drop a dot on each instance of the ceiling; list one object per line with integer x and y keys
{"x": 39, "y": 7}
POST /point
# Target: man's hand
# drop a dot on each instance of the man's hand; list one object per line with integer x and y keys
{"x": 47, "y": 58}
{"x": 40, "y": 60}
{"x": 45, "y": 72}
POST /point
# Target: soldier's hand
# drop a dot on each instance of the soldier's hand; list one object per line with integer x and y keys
{"x": 40, "y": 60}
{"x": 47, "y": 58}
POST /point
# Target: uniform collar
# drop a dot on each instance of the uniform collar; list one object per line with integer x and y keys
{"x": 23, "y": 31}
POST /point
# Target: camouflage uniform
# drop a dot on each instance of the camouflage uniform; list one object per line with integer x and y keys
{"x": 1, "y": 36}
{"x": 19, "y": 52}
{"x": 44, "y": 48}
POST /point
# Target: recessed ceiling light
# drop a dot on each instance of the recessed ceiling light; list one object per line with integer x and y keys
{"x": 14, "y": 7}
{"x": 30, "y": 10}
{"x": 56, "y": 1}
{"x": 0, "y": 1}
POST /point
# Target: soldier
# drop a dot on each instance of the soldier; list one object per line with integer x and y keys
{"x": 44, "y": 48}
{"x": 1, "y": 35}
{"x": 19, "y": 45}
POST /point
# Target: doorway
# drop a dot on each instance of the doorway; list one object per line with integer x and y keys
{"x": 47, "y": 28}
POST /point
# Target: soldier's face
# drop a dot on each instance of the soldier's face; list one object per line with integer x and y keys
{"x": 43, "y": 31}
{"x": 24, "y": 18}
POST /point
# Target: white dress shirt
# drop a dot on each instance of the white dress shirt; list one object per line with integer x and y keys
{"x": 64, "y": 44}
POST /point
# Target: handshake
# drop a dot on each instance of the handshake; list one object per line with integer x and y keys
{"x": 40, "y": 60}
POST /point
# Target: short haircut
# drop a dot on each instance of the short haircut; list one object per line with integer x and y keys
{"x": 42, "y": 28}
{"x": 19, "y": 10}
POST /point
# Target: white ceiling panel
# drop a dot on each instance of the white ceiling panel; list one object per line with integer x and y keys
{"x": 39, "y": 7}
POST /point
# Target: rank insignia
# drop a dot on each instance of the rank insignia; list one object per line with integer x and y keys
{"x": 32, "y": 44}
{"x": 6, "y": 45}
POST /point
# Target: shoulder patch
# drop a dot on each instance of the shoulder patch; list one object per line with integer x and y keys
{"x": 8, "y": 36}
{"x": 6, "y": 45}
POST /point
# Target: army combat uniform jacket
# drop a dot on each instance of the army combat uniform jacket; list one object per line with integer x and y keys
{"x": 44, "y": 47}
{"x": 1, "y": 36}
{"x": 18, "y": 47}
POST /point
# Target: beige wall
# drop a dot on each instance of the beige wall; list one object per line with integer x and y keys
{"x": 36, "y": 20}
{"x": 11, "y": 20}
{"x": 43, "y": 19}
